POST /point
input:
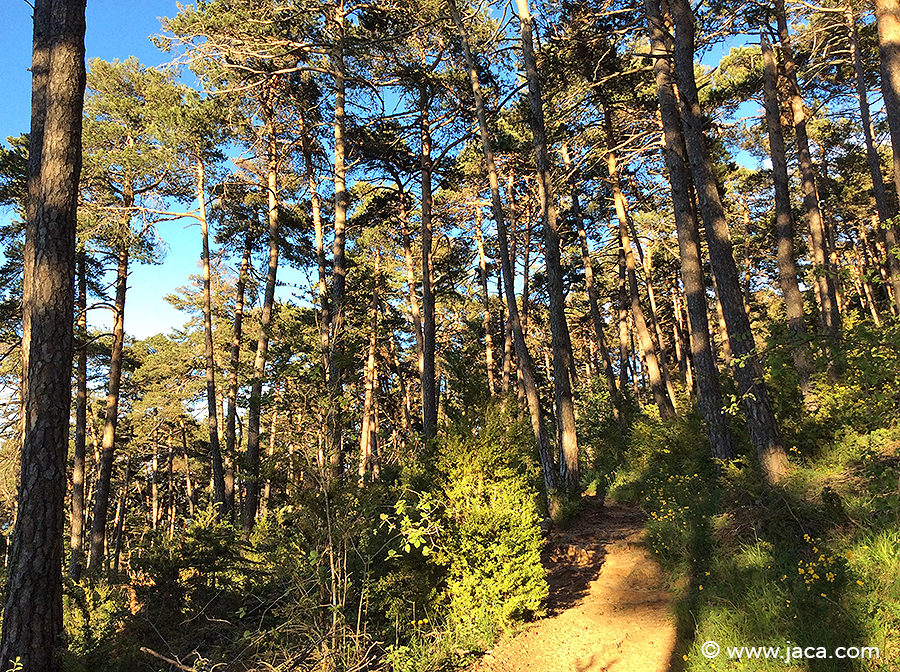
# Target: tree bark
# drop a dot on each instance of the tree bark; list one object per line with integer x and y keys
{"x": 562, "y": 346}
{"x": 784, "y": 230}
{"x": 525, "y": 362}
{"x": 120, "y": 516}
{"x": 233, "y": 365}
{"x": 370, "y": 379}
{"x": 486, "y": 303}
{"x": 593, "y": 301}
{"x": 76, "y": 536}
{"x": 251, "y": 475}
{"x": 709, "y": 397}
{"x": 830, "y": 317}
{"x": 887, "y": 15}
{"x": 108, "y": 440}
{"x": 339, "y": 281}
{"x": 32, "y": 615}
{"x": 215, "y": 452}
{"x": 429, "y": 382}
{"x": 763, "y": 429}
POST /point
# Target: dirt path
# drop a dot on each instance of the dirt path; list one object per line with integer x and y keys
{"x": 607, "y": 609}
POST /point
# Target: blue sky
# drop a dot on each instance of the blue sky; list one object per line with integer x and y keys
{"x": 115, "y": 29}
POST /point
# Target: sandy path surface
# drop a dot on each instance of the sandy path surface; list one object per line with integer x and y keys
{"x": 607, "y": 609}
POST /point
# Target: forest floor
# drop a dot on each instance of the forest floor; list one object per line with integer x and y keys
{"x": 607, "y": 609}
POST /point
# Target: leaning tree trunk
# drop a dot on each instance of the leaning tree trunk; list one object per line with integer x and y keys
{"x": 33, "y": 630}
{"x": 709, "y": 396}
{"x": 429, "y": 334}
{"x": 76, "y": 536}
{"x": 784, "y": 229}
{"x": 830, "y": 317}
{"x": 561, "y": 343}
{"x": 339, "y": 278}
{"x": 251, "y": 475}
{"x": 887, "y": 14}
{"x": 212, "y": 414}
{"x": 763, "y": 428}
{"x": 881, "y": 202}
{"x": 108, "y": 441}
{"x": 525, "y": 362}
{"x": 486, "y": 302}
{"x": 233, "y": 364}
{"x": 593, "y": 301}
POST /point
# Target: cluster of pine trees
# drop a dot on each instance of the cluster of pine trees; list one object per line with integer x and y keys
{"x": 487, "y": 206}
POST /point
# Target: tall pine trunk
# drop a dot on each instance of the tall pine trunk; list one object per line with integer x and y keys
{"x": 887, "y": 14}
{"x": 76, "y": 535}
{"x": 763, "y": 429}
{"x": 525, "y": 362}
{"x": 593, "y": 301}
{"x": 233, "y": 364}
{"x": 212, "y": 413}
{"x": 429, "y": 333}
{"x": 829, "y": 315}
{"x": 709, "y": 396}
{"x": 784, "y": 229}
{"x": 486, "y": 303}
{"x": 251, "y": 475}
{"x": 567, "y": 439}
{"x": 33, "y": 614}
{"x": 108, "y": 440}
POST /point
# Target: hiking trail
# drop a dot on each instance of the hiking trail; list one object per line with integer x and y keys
{"x": 607, "y": 609}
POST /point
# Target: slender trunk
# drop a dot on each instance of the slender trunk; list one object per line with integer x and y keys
{"x": 212, "y": 418}
{"x": 339, "y": 281}
{"x": 251, "y": 476}
{"x": 593, "y": 301}
{"x": 188, "y": 484}
{"x": 101, "y": 502}
{"x": 829, "y": 316}
{"x": 887, "y": 14}
{"x": 562, "y": 346}
{"x": 623, "y": 321}
{"x": 763, "y": 428}
{"x": 369, "y": 381}
{"x": 429, "y": 384}
{"x": 681, "y": 337}
{"x": 33, "y": 630}
{"x": 154, "y": 481}
{"x": 784, "y": 230}
{"x": 324, "y": 316}
{"x": 411, "y": 284}
{"x": 486, "y": 321}
{"x": 170, "y": 480}
{"x": 76, "y": 537}
{"x": 881, "y": 201}
{"x": 709, "y": 397}
{"x": 656, "y": 373}
{"x": 648, "y": 350}
{"x": 270, "y": 451}
{"x": 525, "y": 362}
{"x": 120, "y": 515}
{"x": 233, "y": 364}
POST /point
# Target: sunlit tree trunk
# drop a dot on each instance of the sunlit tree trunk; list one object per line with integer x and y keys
{"x": 76, "y": 536}
{"x": 101, "y": 501}
{"x": 486, "y": 302}
{"x": 593, "y": 301}
{"x": 525, "y": 362}
{"x": 212, "y": 417}
{"x": 887, "y": 14}
{"x": 429, "y": 334}
{"x": 251, "y": 475}
{"x": 824, "y": 274}
{"x": 233, "y": 365}
{"x": 33, "y": 614}
{"x": 763, "y": 429}
{"x": 120, "y": 515}
{"x": 784, "y": 229}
